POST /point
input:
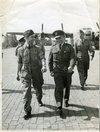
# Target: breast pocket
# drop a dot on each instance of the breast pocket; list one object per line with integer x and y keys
{"x": 26, "y": 57}
{"x": 56, "y": 56}
{"x": 66, "y": 55}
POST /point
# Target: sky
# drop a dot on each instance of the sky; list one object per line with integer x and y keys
{"x": 20, "y": 15}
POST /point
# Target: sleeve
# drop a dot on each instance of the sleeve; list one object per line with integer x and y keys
{"x": 41, "y": 54}
{"x": 73, "y": 58}
{"x": 75, "y": 48}
{"x": 19, "y": 56}
{"x": 16, "y": 51}
{"x": 72, "y": 52}
{"x": 43, "y": 49}
{"x": 50, "y": 61}
{"x": 91, "y": 50}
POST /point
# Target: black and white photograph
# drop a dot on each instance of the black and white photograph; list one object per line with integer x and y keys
{"x": 50, "y": 65}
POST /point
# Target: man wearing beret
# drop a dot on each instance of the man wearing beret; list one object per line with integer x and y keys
{"x": 61, "y": 64}
{"x": 31, "y": 63}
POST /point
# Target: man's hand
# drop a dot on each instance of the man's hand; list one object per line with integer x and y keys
{"x": 91, "y": 57}
{"x": 52, "y": 74}
{"x": 18, "y": 78}
{"x": 44, "y": 69}
{"x": 70, "y": 69}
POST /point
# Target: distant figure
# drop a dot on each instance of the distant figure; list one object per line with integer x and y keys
{"x": 41, "y": 42}
{"x": 61, "y": 64}
{"x": 82, "y": 47}
{"x": 21, "y": 42}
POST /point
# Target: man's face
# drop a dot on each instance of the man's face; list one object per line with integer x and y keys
{"x": 87, "y": 36}
{"x": 81, "y": 35}
{"x": 31, "y": 40}
{"x": 60, "y": 40}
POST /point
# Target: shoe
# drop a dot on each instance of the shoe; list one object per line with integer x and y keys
{"x": 40, "y": 103}
{"x": 82, "y": 87}
{"x": 59, "y": 111}
{"x": 27, "y": 116}
{"x": 66, "y": 104}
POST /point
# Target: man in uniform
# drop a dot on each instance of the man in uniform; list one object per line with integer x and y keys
{"x": 61, "y": 64}
{"x": 31, "y": 64}
{"x": 82, "y": 47}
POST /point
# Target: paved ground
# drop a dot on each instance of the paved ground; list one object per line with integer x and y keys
{"x": 83, "y": 113}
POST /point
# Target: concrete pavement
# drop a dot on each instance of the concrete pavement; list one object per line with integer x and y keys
{"x": 82, "y": 114}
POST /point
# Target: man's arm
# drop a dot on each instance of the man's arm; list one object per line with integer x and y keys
{"x": 43, "y": 60}
{"x": 50, "y": 62}
{"x": 72, "y": 60}
{"x": 19, "y": 65}
{"x": 91, "y": 50}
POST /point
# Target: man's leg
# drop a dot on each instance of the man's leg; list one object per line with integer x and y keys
{"x": 27, "y": 96}
{"x": 37, "y": 78}
{"x": 68, "y": 81}
{"x": 80, "y": 68}
{"x": 86, "y": 67}
{"x": 59, "y": 85}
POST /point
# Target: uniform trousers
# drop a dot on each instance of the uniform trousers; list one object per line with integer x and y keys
{"x": 82, "y": 67}
{"x": 62, "y": 80}
{"x": 37, "y": 79}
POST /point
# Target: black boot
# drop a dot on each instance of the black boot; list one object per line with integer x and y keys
{"x": 59, "y": 111}
{"x": 66, "y": 104}
{"x": 40, "y": 103}
{"x": 27, "y": 116}
{"x": 82, "y": 87}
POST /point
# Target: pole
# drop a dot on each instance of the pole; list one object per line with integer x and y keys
{"x": 42, "y": 28}
{"x": 97, "y": 25}
{"x": 62, "y": 26}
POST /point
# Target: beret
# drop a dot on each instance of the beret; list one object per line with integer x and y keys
{"x": 28, "y": 33}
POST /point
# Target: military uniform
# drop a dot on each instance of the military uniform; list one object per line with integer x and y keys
{"x": 81, "y": 49}
{"x": 30, "y": 58}
{"x": 60, "y": 58}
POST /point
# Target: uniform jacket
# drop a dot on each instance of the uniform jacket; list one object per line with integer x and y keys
{"x": 61, "y": 58}
{"x": 82, "y": 49}
{"x": 17, "y": 48}
{"x": 30, "y": 57}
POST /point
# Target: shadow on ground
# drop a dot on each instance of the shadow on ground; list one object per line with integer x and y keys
{"x": 86, "y": 111}
{"x": 10, "y": 91}
{"x": 73, "y": 87}
{"x": 88, "y": 87}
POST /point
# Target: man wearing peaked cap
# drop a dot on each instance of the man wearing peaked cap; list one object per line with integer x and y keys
{"x": 61, "y": 64}
{"x": 31, "y": 64}
{"x": 84, "y": 51}
{"x": 58, "y": 33}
